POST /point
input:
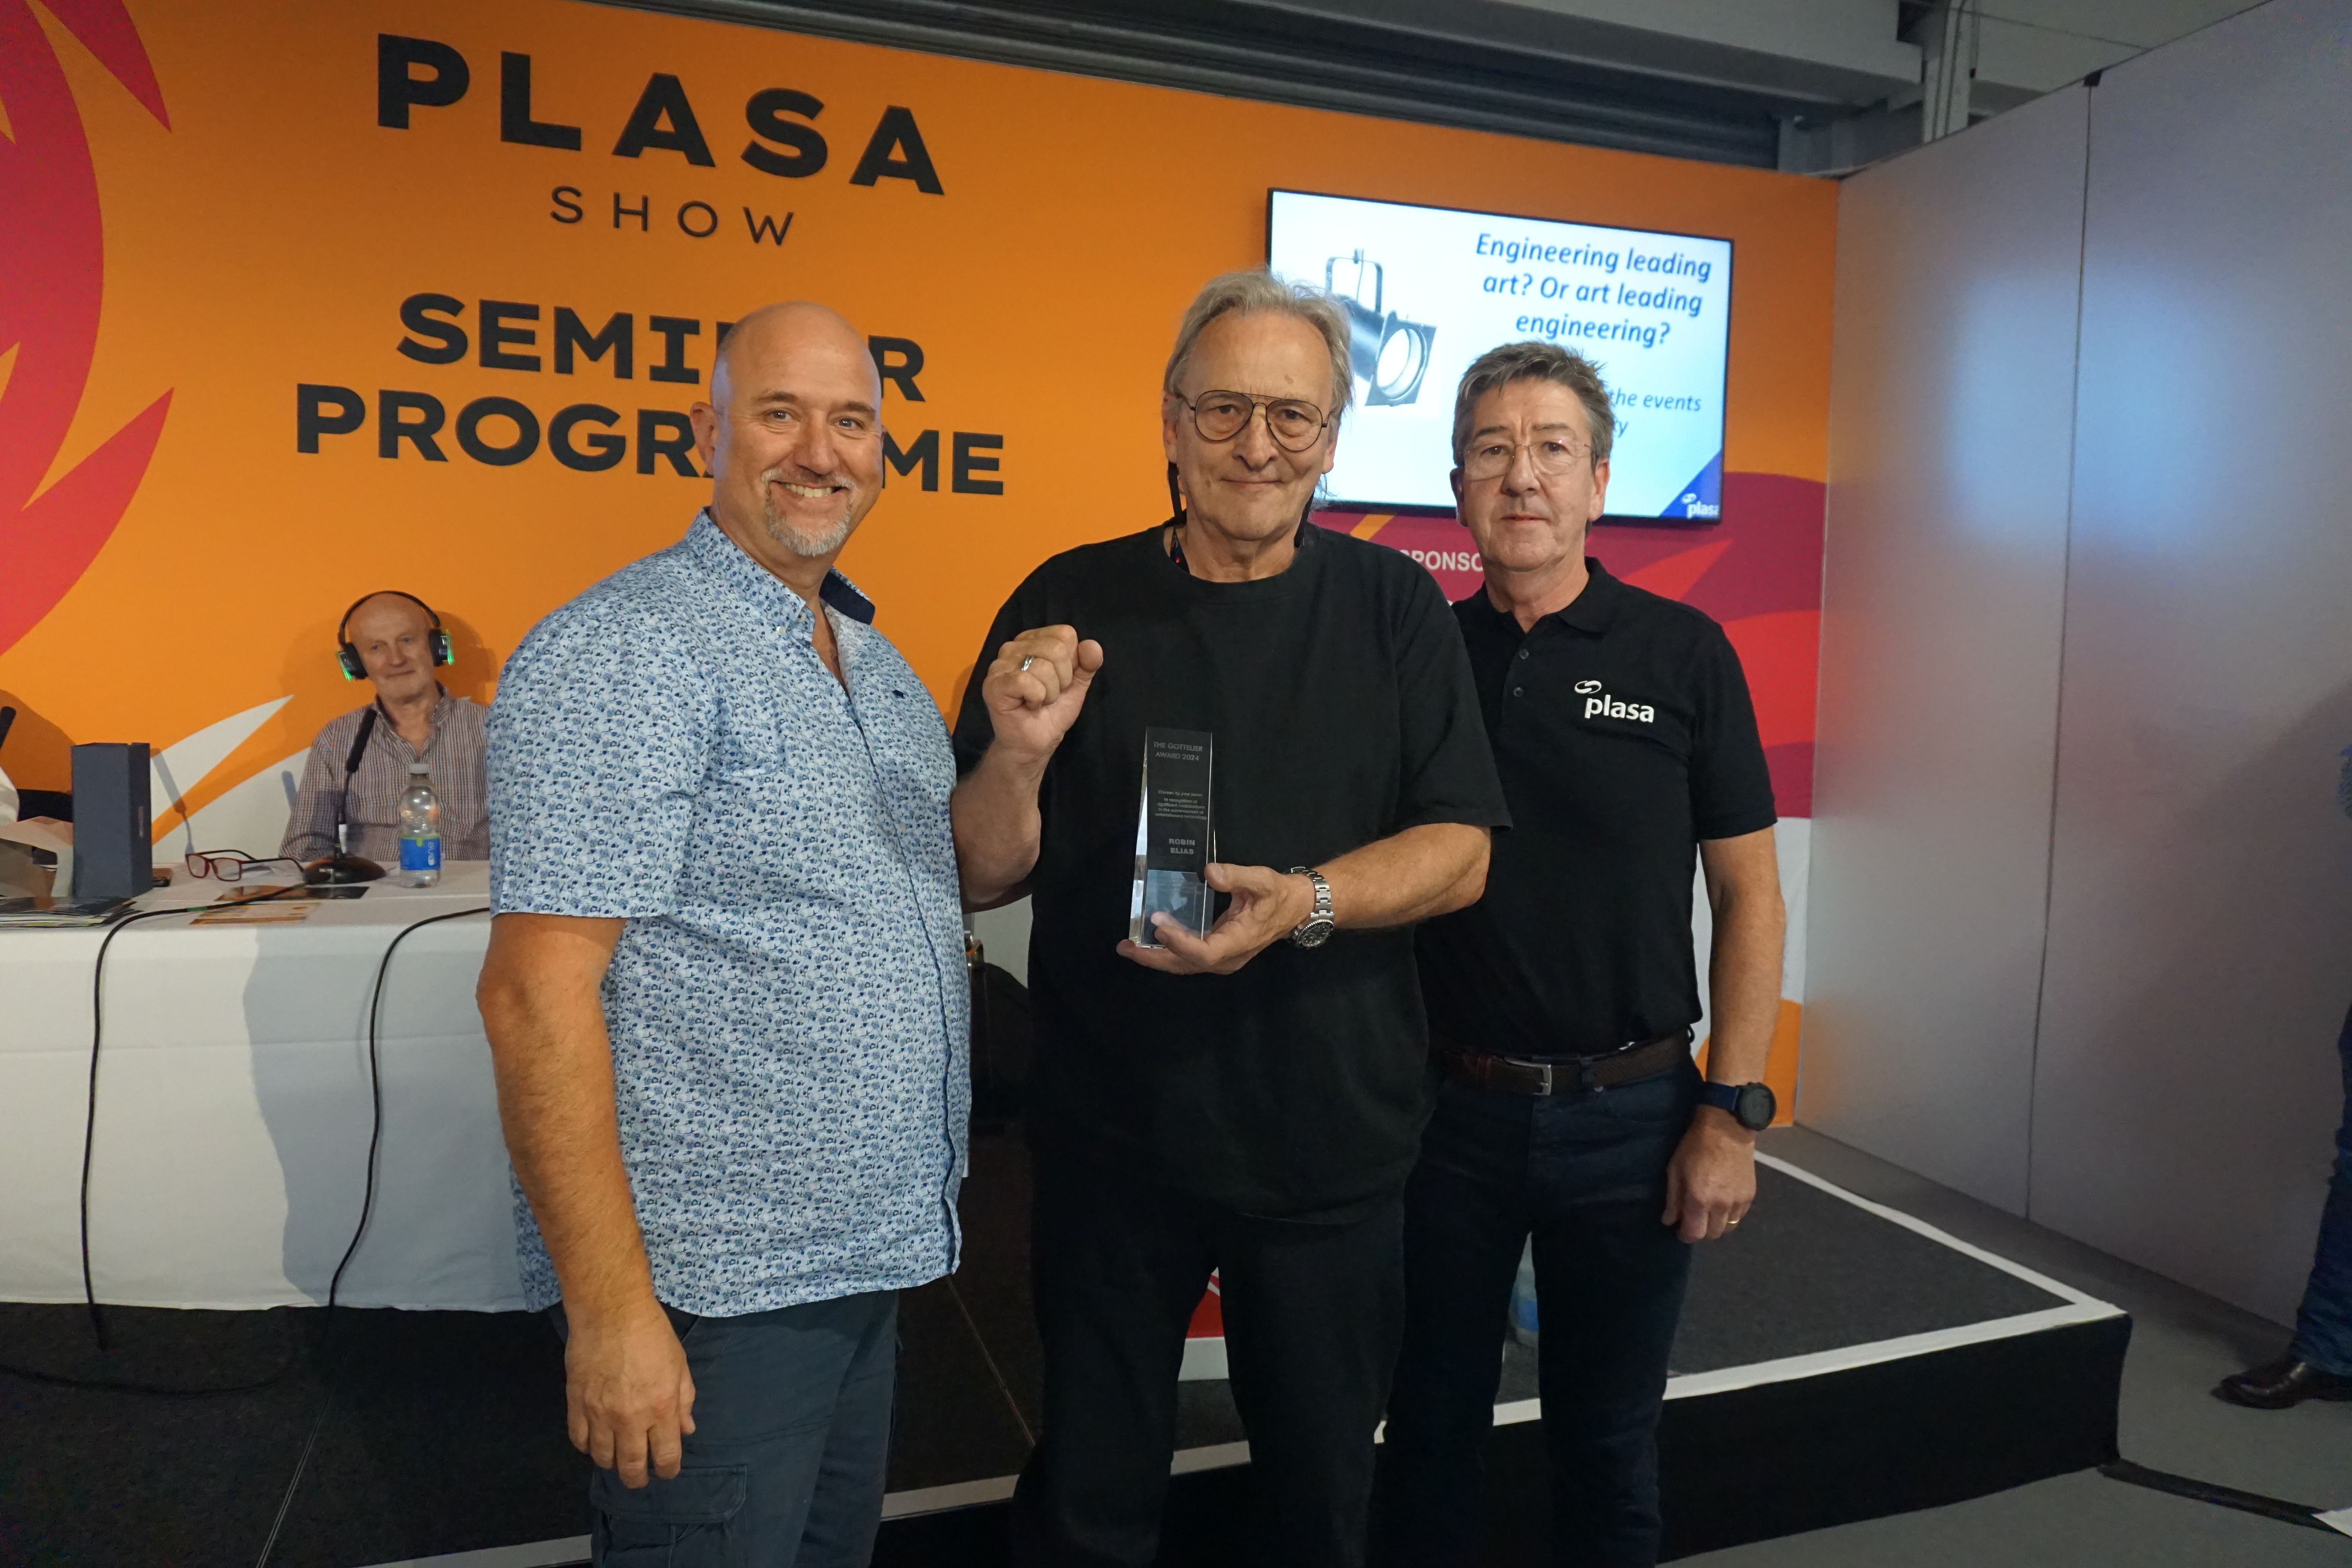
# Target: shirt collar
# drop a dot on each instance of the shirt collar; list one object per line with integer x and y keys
{"x": 1591, "y": 611}
{"x": 1596, "y": 606}
{"x": 712, "y": 547}
{"x": 442, "y": 704}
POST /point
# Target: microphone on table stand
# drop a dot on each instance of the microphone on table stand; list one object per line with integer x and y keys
{"x": 343, "y": 867}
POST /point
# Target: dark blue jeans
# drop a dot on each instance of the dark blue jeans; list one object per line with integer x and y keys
{"x": 786, "y": 1466}
{"x": 1586, "y": 1175}
{"x": 2322, "y": 1330}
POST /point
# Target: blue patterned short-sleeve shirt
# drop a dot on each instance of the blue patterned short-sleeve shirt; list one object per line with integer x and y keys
{"x": 787, "y": 1004}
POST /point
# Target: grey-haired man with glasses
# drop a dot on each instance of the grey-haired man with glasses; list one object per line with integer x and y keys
{"x": 1246, "y": 1100}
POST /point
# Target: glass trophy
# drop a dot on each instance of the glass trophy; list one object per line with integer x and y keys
{"x": 1173, "y": 839}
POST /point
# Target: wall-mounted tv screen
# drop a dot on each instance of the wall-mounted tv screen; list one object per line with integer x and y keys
{"x": 1428, "y": 289}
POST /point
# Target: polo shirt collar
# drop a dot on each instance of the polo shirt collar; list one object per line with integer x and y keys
{"x": 1590, "y": 612}
{"x": 715, "y": 551}
{"x": 1596, "y": 606}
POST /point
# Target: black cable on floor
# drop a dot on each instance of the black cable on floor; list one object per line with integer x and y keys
{"x": 89, "y": 1103}
{"x": 294, "y": 1482}
{"x": 89, "y": 1125}
{"x": 88, "y": 1140}
{"x": 375, "y": 1095}
{"x": 2219, "y": 1495}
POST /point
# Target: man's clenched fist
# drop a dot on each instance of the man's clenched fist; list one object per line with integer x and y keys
{"x": 1034, "y": 707}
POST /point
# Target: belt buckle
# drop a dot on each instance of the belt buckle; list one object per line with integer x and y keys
{"x": 1545, "y": 1067}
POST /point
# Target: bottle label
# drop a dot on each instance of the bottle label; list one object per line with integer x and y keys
{"x": 420, "y": 854}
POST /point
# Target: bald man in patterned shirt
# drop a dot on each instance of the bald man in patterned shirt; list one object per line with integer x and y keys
{"x": 725, "y": 992}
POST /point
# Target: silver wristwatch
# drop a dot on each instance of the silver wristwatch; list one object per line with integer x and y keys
{"x": 1316, "y": 928}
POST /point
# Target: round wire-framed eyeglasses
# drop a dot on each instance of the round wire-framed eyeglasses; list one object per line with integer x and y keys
{"x": 1292, "y": 422}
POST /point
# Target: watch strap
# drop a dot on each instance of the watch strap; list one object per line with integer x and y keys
{"x": 1752, "y": 1105}
{"x": 1321, "y": 914}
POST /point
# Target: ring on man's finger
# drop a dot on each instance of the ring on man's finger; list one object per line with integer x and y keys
{"x": 1026, "y": 661}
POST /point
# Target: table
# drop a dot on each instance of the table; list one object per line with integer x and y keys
{"x": 233, "y": 1110}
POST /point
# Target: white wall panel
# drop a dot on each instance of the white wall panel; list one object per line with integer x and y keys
{"x": 2201, "y": 922}
{"x": 1951, "y": 392}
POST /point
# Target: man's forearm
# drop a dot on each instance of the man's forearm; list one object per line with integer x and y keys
{"x": 1416, "y": 875}
{"x": 997, "y": 829}
{"x": 554, "y": 1068}
{"x": 1744, "y": 983}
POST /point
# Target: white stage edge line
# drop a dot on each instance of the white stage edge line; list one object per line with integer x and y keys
{"x": 2079, "y": 1309}
{"x": 2058, "y": 1288}
{"x": 1790, "y": 1368}
{"x": 1215, "y": 1456}
{"x": 532, "y": 1555}
{"x": 933, "y": 1499}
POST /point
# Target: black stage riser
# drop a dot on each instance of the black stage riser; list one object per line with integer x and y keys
{"x": 1748, "y": 1465}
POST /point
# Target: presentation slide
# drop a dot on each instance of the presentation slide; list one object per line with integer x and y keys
{"x": 1428, "y": 289}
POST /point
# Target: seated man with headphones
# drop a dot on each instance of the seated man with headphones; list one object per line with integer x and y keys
{"x": 394, "y": 640}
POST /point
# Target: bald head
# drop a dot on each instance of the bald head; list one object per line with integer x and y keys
{"x": 782, "y": 331}
{"x": 393, "y": 635}
{"x": 792, "y": 435}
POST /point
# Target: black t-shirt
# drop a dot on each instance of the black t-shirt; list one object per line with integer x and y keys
{"x": 1343, "y": 713}
{"x": 1624, "y": 733}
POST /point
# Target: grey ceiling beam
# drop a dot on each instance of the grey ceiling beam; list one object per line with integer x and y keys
{"x": 1317, "y": 60}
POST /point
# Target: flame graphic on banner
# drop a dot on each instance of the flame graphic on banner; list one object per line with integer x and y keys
{"x": 52, "y": 281}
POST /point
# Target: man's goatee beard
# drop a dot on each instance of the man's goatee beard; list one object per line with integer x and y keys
{"x": 806, "y": 544}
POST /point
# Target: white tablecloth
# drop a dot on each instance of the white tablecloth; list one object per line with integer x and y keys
{"x": 233, "y": 1110}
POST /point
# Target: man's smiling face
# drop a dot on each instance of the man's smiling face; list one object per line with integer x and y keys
{"x": 1247, "y": 486}
{"x": 793, "y": 435}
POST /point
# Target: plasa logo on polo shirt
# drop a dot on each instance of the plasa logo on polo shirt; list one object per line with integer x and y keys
{"x": 1598, "y": 704}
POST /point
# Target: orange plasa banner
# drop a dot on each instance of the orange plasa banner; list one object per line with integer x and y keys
{"x": 306, "y": 301}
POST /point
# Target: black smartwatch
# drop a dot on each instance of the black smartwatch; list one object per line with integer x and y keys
{"x": 1751, "y": 1104}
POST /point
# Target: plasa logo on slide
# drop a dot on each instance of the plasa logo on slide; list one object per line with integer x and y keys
{"x": 1598, "y": 704}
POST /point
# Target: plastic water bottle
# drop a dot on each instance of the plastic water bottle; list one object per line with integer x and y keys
{"x": 420, "y": 830}
{"x": 1523, "y": 1298}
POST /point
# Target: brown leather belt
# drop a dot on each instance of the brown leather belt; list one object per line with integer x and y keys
{"x": 1569, "y": 1075}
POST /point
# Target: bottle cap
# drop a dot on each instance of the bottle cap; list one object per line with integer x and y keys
{"x": 420, "y": 768}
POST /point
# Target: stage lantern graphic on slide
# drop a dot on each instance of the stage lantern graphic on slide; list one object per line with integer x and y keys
{"x": 1428, "y": 289}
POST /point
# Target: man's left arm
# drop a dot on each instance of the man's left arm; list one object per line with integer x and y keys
{"x": 1712, "y": 1179}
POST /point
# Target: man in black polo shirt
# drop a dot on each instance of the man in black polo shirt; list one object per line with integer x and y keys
{"x": 1561, "y": 1004}
{"x": 1250, "y": 1101}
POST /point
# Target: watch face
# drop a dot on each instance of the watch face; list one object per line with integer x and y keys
{"x": 1314, "y": 933}
{"x": 1757, "y": 1107}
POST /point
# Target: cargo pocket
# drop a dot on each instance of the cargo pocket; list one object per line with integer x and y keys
{"x": 687, "y": 1521}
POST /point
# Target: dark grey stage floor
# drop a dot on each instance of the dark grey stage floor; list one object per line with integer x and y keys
{"x": 406, "y": 1435}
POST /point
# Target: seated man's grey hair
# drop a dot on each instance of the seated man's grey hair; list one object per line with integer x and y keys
{"x": 1535, "y": 361}
{"x": 1260, "y": 292}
